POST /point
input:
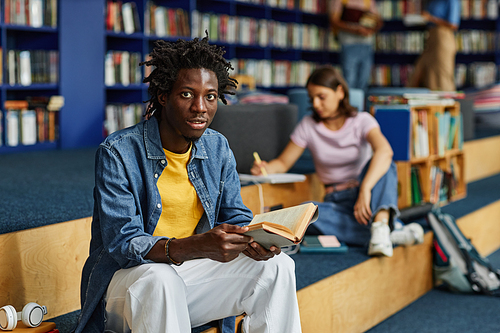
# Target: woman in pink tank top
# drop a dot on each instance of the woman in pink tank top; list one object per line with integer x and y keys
{"x": 353, "y": 159}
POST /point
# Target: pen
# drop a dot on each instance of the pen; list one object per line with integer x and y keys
{"x": 258, "y": 160}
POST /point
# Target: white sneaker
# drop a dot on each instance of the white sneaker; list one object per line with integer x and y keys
{"x": 411, "y": 234}
{"x": 380, "y": 242}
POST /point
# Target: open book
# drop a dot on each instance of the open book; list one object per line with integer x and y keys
{"x": 282, "y": 227}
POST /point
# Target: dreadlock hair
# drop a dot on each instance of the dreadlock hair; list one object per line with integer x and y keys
{"x": 168, "y": 58}
{"x": 328, "y": 76}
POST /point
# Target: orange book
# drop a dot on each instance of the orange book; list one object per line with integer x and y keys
{"x": 16, "y": 105}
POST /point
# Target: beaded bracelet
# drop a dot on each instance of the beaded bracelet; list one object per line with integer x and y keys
{"x": 170, "y": 260}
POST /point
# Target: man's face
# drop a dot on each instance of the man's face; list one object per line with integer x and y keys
{"x": 189, "y": 109}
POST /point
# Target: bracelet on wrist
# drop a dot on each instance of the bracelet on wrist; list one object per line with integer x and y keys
{"x": 170, "y": 261}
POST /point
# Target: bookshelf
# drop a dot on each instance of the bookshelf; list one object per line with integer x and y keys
{"x": 29, "y": 43}
{"x": 82, "y": 40}
{"x": 427, "y": 141}
{"x": 398, "y": 46}
{"x": 277, "y": 42}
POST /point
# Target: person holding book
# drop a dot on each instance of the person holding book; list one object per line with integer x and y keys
{"x": 168, "y": 249}
{"x": 354, "y": 160}
{"x": 355, "y": 22}
{"x": 435, "y": 67}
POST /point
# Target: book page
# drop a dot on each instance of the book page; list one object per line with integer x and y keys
{"x": 275, "y": 178}
{"x": 267, "y": 239}
{"x": 289, "y": 217}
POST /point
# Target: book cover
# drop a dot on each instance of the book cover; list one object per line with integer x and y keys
{"x": 322, "y": 244}
{"x": 395, "y": 124}
{"x": 282, "y": 227}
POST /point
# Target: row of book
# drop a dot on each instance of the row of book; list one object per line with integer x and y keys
{"x": 405, "y": 42}
{"x": 162, "y": 21}
{"x": 396, "y": 10}
{"x": 31, "y": 121}
{"x": 443, "y": 183}
{"x": 435, "y": 136}
{"x": 251, "y": 31}
{"x": 274, "y": 73}
{"x": 476, "y": 74}
{"x": 286, "y": 4}
{"x": 34, "y": 13}
{"x": 413, "y": 42}
{"x": 122, "y": 17}
{"x": 122, "y": 67}
{"x": 391, "y": 75}
{"x": 476, "y": 41}
{"x": 26, "y": 67}
{"x": 479, "y": 9}
{"x": 310, "y": 6}
{"x": 119, "y": 116}
{"x": 470, "y": 9}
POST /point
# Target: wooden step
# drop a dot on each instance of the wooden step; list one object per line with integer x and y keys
{"x": 481, "y": 158}
{"x": 360, "y": 297}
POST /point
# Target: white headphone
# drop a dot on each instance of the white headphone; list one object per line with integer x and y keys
{"x": 31, "y": 316}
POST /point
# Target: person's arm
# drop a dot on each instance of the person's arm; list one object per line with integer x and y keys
{"x": 439, "y": 21}
{"x": 282, "y": 163}
{"x": 354, "y": 28}
{"x": 379, "y": 164}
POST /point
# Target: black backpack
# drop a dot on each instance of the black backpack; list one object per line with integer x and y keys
{"x": 457, "y": 264}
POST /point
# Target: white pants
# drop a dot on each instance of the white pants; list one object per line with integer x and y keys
{"x": 159, "y": 298}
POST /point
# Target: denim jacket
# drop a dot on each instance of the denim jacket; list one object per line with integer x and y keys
{"x": 127, "y": 206}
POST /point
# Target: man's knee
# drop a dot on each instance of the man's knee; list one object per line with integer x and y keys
{"x": 157, "y": 279}
{"x": 283, "y": 265}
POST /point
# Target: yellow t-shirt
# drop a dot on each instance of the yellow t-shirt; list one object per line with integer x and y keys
{"x": 181, "y": 207}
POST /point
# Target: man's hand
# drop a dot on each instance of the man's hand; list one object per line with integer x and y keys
{"x": 224, "y": 242}
{"x": 258, "y": 252}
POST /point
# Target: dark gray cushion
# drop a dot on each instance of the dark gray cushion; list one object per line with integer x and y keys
{"x": 264, "y": 128}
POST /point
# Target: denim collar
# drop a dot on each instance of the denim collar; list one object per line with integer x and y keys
{"x": 154, "y": 149}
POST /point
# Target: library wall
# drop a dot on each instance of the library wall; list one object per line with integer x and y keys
{"x": 87, "y": 52}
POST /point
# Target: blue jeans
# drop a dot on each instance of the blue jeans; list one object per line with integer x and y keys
{"x": 336, "y": 212}
{"x": 356, "y": 61}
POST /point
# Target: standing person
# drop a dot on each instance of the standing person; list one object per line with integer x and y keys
{"x": 360, "y": 204}
{"x": 356, "y": 22}
{"x": 168, "y": 250}
{"x": 435, "y": 68}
